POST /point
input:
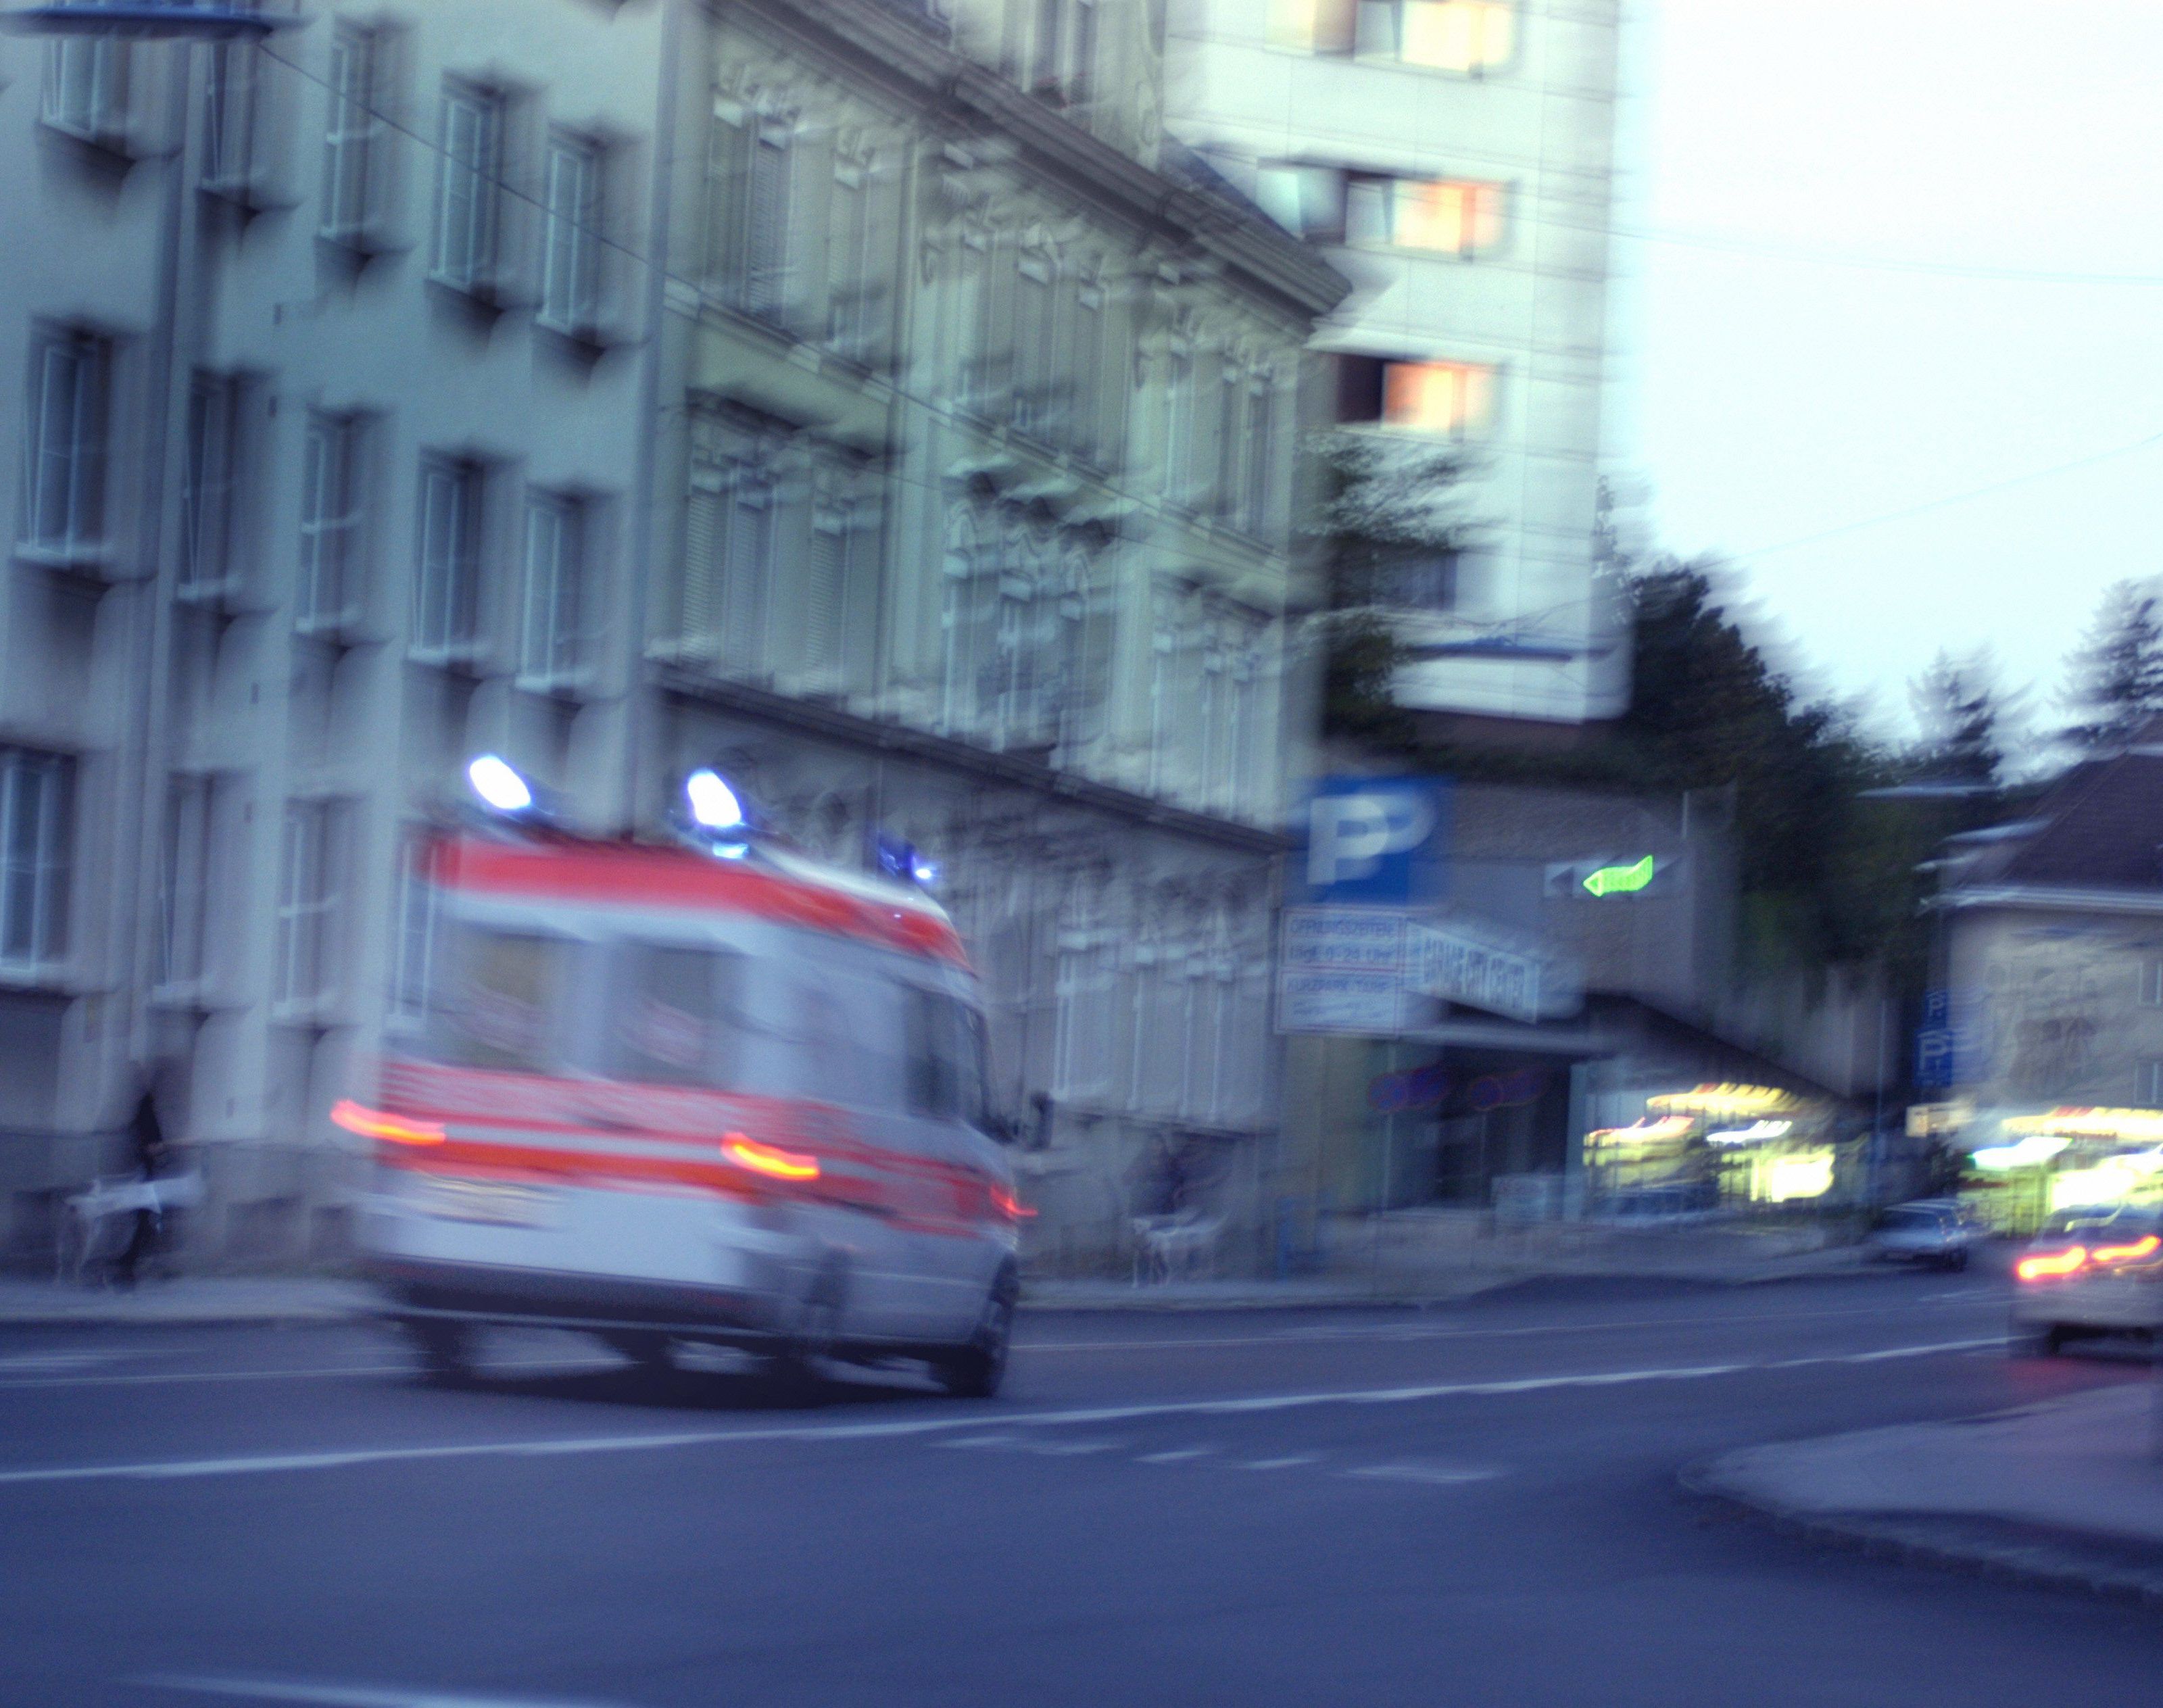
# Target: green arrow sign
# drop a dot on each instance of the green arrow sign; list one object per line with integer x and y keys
{"x": 1621, "y": 880}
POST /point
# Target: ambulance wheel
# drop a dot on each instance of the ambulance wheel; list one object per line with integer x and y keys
{"x": 445, "y": 1347}
{"x": 792, "y": 1369}
{"x": 654, "y": 1353}
{"x": 975, "y": 1370}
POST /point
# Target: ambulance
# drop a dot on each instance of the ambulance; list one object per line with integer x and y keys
{"x": 705, "y": 1092}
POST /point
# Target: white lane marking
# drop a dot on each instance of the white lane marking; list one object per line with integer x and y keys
{"x": 1285, "y": 1464}
{"x": 356, "y": 1696}
{"x": 253, "y": 1465}
{"x": 1175, "y": 1455}
{"x": 980, "y": 1441}
{"x": 1424, "y": 1473}
{"x": 59, "y": 1360}
{"x": 1300, "y": 1337}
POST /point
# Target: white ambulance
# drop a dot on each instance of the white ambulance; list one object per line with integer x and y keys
{"x": 707, "y": 1092}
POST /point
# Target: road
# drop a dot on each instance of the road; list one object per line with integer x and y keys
{"x": 1466, "y": 1506}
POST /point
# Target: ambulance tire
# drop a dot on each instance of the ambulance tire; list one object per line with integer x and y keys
{"x": 446, "y": 1347}
{"x": 793, "y": 1369}
{"x": 974, "y": 1371}
{"x": 655, "y": 1354}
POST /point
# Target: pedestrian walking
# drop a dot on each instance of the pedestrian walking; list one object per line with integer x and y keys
{"x": 146, "y": 1133}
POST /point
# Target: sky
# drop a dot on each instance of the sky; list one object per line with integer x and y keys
{"x": 1768, "y": 392}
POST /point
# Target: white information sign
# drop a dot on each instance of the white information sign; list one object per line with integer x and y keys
{"x": 1342, "y": 971}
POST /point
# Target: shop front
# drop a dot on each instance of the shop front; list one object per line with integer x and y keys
{"x": 2070, "y": 1157}
{"x": 1718, "y": 1147}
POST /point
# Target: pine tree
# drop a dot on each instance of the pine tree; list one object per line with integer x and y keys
{"x": 1963, "y": 712}
{"x": 2117, "y": 675}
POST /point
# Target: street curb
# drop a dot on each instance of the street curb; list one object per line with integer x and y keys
{"x": 2036, "y": 1554}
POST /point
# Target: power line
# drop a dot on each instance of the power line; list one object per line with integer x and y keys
{"x": 1936, "y": 503}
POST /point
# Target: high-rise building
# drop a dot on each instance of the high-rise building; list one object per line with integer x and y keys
{"x": 864, "y": 395}
{"x": 1454, "y": 159}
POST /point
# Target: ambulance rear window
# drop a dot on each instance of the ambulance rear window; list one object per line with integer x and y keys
{"x": 501, "y": 1005}
{"x": 677, "y": 1017}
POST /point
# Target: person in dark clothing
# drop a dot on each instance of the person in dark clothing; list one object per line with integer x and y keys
{"x": 147, "y": 1134}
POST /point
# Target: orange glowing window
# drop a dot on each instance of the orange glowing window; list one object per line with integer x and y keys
{"x": 2045, "y": 1265}
{"x": 374, "y": 1123}
{"x": 1449, "y": 214}
{"x": 1452, "y": 399}
{"x": 769, "y": 1160}
{"x": 1449, "y": 35}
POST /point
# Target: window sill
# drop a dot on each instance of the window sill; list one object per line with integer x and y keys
{"x": 211, "y": 595}
{"x": 314, "y": 1014}
{"x": 358, "y": 245}
{"x": 345, "y": 631}
{"x": 592, "y": 337}
{"x": 1391, "y": 62}
{"x": 49, "y": 977}
{"x": 574, "y": 690}
{"x": 114, "y": 147}
{"x": 470, "y": 666}
{"x": 91, "y": 559}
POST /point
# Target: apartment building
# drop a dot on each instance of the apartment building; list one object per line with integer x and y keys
{"x": 866, "y": 399}
{"x": 1454, "y": 159}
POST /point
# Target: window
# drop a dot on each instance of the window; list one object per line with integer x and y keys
{"x": 352, "y": 164}
{"x": 37, "y": 810}
{"x": 1231, "y": 445}
{"x": 447, "y": 586}
{"x": 1180, "y": 408}
{"x": 861, "y": 260}
{"x": 679, "y": 1022}
{"x": 1450, "y": 215}
{"x": 944, "y": 1041}
{"x": 1420, "y": 580}
{"x": 570, "y": 282}
{"x": 2148, "y": 1089}
{"x": 502, "y": 1000}
{"x": 209, "y": 521}
{"x": 2151, "y": 984}
{"x": 1447, "y": 35}
{"x": 1064, "y": 63}
{"x": 1260, "y": 494}
{"x": 185, "y": 893}
{"x": 326, "y": 596}
{"x": 85, "y": 92}
{"x": 1453, "y": 400}
{"x": 839, "y": 584}
{"x": 1086, "y": 416}
{"x": 749, "y": 183}
{"x": 307, "y": 902}
{"x": 64, "y": 444}
{"x": 1173, "y": 688}
{"x": 1456, "y": 398}
{"x": 1042, "y": 384}
{"x": 412, "y": 974}
{"x": 551, "y": 648}
{"x": 231, "y": 101}
{"x": 1308, "y": 201}
{"x": 729, "y": 550}
{"x": 470, "y": 140}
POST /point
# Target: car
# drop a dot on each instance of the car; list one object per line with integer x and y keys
{"x": 1935, "y": 1231}
{"x": 2089, "y": 1272}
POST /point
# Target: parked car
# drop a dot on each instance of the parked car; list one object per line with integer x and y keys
{"x": 2091, "y": 1271}
{"x": 1935, "y": 1231}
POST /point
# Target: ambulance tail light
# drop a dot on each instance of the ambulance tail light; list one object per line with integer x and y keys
{"x": 377, "y": 1124}
{"x": 1008, "y": 1205}
{"x": 771, "y": 1161}
{"x": 2132, "y": 1252}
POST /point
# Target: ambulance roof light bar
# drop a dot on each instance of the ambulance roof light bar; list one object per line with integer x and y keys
{"x": 712, "y": 817}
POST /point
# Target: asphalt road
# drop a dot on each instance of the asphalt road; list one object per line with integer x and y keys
{"x": 1469, "y": 1506}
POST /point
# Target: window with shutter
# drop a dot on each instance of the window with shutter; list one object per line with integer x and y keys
{"x": 765, "y": 276}
{"x": 699, "y": 618}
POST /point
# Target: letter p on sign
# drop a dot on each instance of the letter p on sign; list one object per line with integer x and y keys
{"x": 1350, "y": 835}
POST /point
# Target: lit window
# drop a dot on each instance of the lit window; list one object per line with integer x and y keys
{"x": 1446, "y": 35}
{"x": 570, "y": 273}
{"x": 36, "y": 813}
{"x": 471, "y": 143}
{"x": 1450, "y": 215}
{"x": 1456, "y": 398}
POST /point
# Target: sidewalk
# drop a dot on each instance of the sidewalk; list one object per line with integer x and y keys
{"x": 2069, "y": 1493}
{"x": 191, "y": 1299}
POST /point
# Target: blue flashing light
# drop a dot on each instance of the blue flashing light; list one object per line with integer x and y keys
{"x": 903, "y": 862}
{"x": 499, "y": 787}
{"x": 714, "y": 805}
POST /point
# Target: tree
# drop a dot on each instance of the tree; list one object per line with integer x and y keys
{"x": 1962, "y": 711}
{"x": 1392, "y": 522}
{"x": 2117, "y": 674}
